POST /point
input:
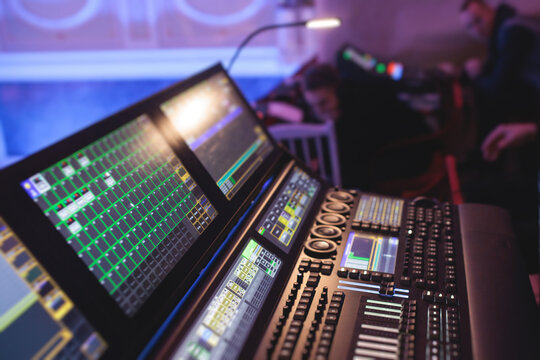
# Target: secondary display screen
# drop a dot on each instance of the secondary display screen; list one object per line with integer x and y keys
{"x": 127, "y": 206}
{"x": 222, "y": 328}
{"x": 371, "y": 252}
{"x": 287, "y": 211}
{"x": 37, "y": 319}
{"x": 220, "y": 130}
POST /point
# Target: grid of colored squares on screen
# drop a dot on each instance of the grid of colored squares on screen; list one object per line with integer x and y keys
{"x": 127, "y": 206}
{"x": 289, "y": 208}
{"x": 223, "y": 326}
{"x": 34, "y": 308}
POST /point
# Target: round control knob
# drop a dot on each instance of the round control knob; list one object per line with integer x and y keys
{"x": 336, "y": 207}
{"x": 331, "y": 219}
{"x": 326, "y": 231}
{"x": 340, "y": 196}
{"x": 320, "y": 248}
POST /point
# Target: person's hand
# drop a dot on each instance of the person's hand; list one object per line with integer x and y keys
{"x": 505, "y": 136}
{"x": 473, "y": 67}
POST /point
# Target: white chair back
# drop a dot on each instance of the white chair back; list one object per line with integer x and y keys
{"x": 315, "y": 144}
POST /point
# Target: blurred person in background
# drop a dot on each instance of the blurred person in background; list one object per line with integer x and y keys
{"x": 507, "y": 87}
{"x": 367, "y": 116}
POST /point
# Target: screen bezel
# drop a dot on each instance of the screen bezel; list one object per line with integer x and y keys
{"x": 167, "y": 94}
{"x": 125, "y": 335}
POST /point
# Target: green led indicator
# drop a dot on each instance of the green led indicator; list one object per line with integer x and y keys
{"x": 261, "y": 231}
{"x": 347, "y": 55}
{"x": 380, "y": 68}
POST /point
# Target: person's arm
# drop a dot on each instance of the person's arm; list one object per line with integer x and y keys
{"x": 514, "y": 45}
{"x": 508, "y": 135}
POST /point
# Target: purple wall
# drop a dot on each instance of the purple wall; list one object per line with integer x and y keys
{"x": 416, "y": 32}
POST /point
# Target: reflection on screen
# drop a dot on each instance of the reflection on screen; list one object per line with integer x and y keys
{"x": 37, "y": 319}
{"x": 223, "y": 326}
{"x": 287, "y": 211}
{"x": 220, "y": 130}
{"x": 127, "y": 206}
{"x": 370, "y": 252}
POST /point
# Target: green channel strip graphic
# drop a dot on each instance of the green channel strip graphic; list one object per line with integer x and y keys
{"x": 89, "y": 150}
{"x": 117, "y": 243}
{"x": 97, "y": 158}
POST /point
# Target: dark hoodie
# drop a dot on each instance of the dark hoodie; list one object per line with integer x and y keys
{"x": 503, "y": 80}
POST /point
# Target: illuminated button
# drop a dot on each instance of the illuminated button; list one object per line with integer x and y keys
{"x": 285, "y": 354}
{"x": 315, "y": 265}
{"x": 326, "y": 269}
{"x": 434, "y": 334}
{"x": 420, "y": 283}
{"x": 354, "y": 274}
{"x": 300, "y": 315}
{"x": 405, "y": 280}
{"x": 365, "y": 275}
{"x": 313, "y": 280}
{"x": 338, "y": 296}
{"x": 331, "y": 219}
{"x": 431, "y": 284}
{"x": 451, "y": 299}
{"x": 336, "y": 207}
{"x": 342, "y": 272}
{"x": 331, "y": 320}
{"x": 440, "y": 298}
{"x": 322, "y": 352}
{"x": 340, "y": 196}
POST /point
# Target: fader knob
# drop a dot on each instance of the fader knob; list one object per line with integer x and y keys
{"x": 326, "y": 231}
{"x": 340, "y": 196}
{"x": 320, "y": 248}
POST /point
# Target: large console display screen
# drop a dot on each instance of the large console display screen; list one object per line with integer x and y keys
{"x": 222, "y": 132}
{"x": 37, "y": 319}
{"x": 127, "y": 206}
{"x": 288, "y": 210}
{"x": 223, "y": 326}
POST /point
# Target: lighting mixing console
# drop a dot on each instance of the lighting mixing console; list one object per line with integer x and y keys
{"x": 178, "y": 228}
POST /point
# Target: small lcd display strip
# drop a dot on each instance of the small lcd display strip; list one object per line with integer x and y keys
{"x": 288, "y": 209}
{"x": 224, "y": 324}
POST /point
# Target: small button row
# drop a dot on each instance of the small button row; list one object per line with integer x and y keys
{"x": 365, "y": 275}
{"x": 315, "y": 266}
